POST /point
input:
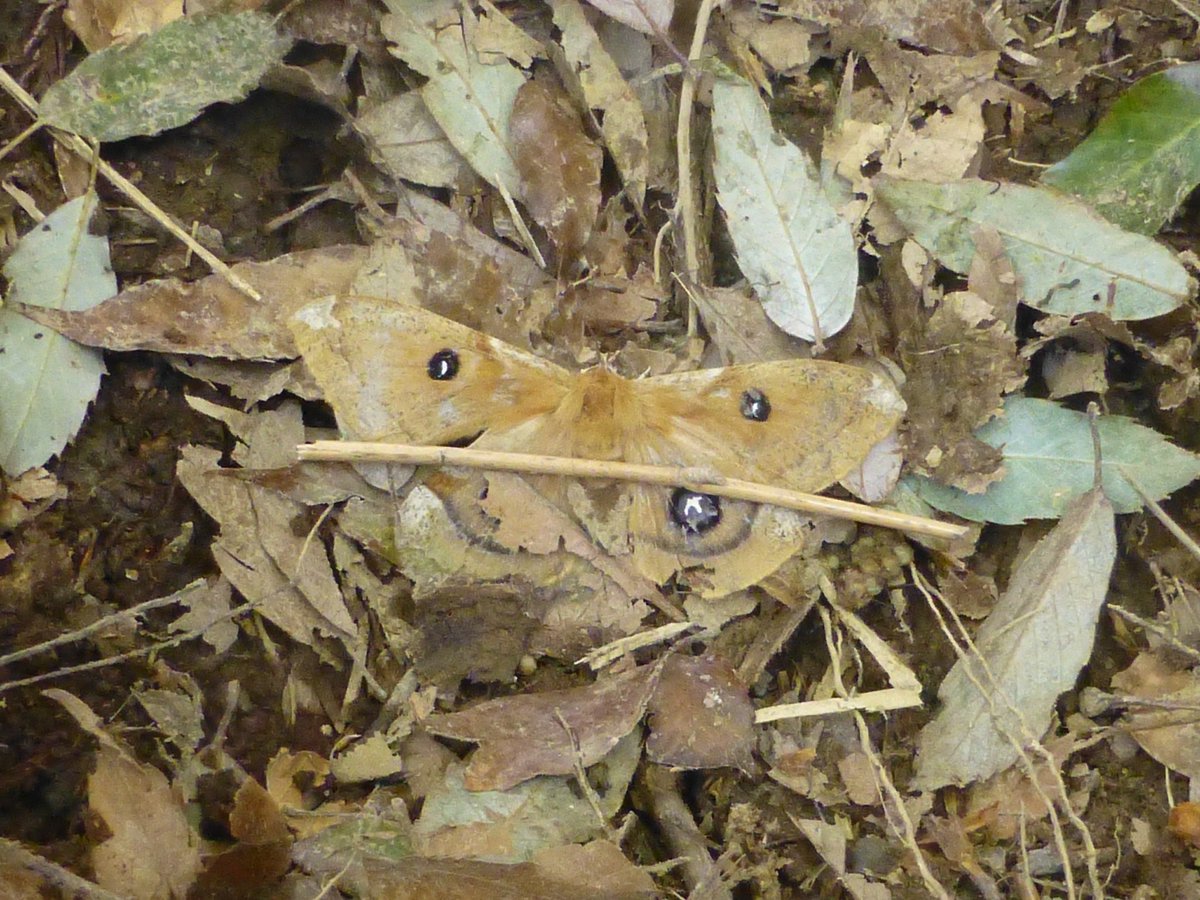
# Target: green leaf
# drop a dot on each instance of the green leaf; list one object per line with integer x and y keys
{"x": 1049, "y": 460}
{"x": 164, "y": 79}
{"x": 47, "y": 381}
{"x": 1143, "y": 159}
{"x": 797, "y": 253}
{"x": 1068, "y": 259}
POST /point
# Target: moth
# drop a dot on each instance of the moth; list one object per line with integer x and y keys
{"x": 395, "y": 372}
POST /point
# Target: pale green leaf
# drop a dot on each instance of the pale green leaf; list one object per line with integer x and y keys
{"x": 470, "y": 100}
{"x": 797, "y": 253}
{"x": 1049, "y": 460}
{"x": 165, "y": 79}
{"x": 1143, "y": 159}
{"x": 1030, "y": 650}
{"x": 1067, "y": 258}
{"x": 47, "y": 381}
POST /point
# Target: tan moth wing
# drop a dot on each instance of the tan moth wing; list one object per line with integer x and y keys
{"x": 795, "y": 424}
{"x": 372, "y": 359}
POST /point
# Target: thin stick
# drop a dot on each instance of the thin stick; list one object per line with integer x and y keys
{"x": 79, "y": 146}
{"x": 671, "y": 476}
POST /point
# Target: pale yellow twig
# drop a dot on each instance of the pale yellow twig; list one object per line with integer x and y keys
{"x": 671, "y": 476}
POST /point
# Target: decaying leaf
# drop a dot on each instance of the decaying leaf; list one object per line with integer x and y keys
{"x": 470, "y": 99}
{"x": 165, "y": 79}
{"x": 516, "y": 824}
{"x": 1170, "y": 732}
{"x": 623, "y": 123}
{"x": 408, "y": 143}
{"x": 211, "y": 317}
{"x": 650, "y": 16}
{"x": 1001, "y": 695}
{"x": 261, "y": 554}
{"x": 150, "y": 850}
{"x": 700, "y": 716}
{"x": 559, "y": 167}
{"x": 960, "y": 343}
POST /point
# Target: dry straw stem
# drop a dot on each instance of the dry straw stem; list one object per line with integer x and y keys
{"x": 79, "y": 146}
{"x": 670, "y": 476}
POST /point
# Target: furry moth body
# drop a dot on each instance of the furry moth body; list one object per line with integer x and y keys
{"x": 397, "y": 372}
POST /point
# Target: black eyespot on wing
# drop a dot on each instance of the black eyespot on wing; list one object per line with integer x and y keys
{"x": 693, "y": 512}
{"x": 443, "y": 365}
{"x": 755, "y": 406}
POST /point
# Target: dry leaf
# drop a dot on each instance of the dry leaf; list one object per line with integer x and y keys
{"x": 150, "y": 850}
{"x": 960, "y": 343}
{"x": 1171, "y": 735}
{"x": 211, "y": 317}
{"x": 701, "y": 716}
{"x": 545, "y": 734}
{"x": 559, "y": 167}
{"x": 1029, "y": 650}
{"x": 623, "y": 123}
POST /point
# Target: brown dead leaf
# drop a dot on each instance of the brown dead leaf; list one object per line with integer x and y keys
{"x": 297, "y": 781}
{"x": 701, "y": 716}
{"x": 1009, "y": 800}
{"x": 739, "y": 327}
{"x": 99, "y": 23}
{"x": 559, "y": 167}
{"x": 648, "y": 16}
{"x": 592, "y": 875}
{"x": 960, "y": 344}
{"x": 623, "y": 122}
{"x": 1184, "y": 822}
{"x": 459, "y": 272}
{"x": 479, "y": 632}
{"x": 783, "y": 43}
{"x": 1171, "y": 734}
{"x": 144, "y": 846}
{"x": 150, "y": 850}
{"x": 405, "y": 141}
{"x": 210, "y": 317}
{"x": 948, "y": 26}
{"x": 545, "y": 734}
{"x": 260, "y": 553}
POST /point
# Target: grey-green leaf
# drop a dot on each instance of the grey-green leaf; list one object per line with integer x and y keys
{"x": 47, "y": 381}
{"x": 796, "y": 252}
{"x": 1143, "y": 159}
{"x": 164, "y": 79}
{"x": 1031, "y": 647}
{"x": 1069, "y": 260}
{"x": 471, "y": 100}
{"x": 1049, "y": 460}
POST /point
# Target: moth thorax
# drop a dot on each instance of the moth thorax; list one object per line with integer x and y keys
{"x": 693, "y": 512}
{"x": 601, "y": 409}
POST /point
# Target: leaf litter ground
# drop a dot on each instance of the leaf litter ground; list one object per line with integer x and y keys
{"x": 126, "y": 532}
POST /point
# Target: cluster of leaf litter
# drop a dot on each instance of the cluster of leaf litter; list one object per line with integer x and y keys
{"x": 559, "y": 120}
